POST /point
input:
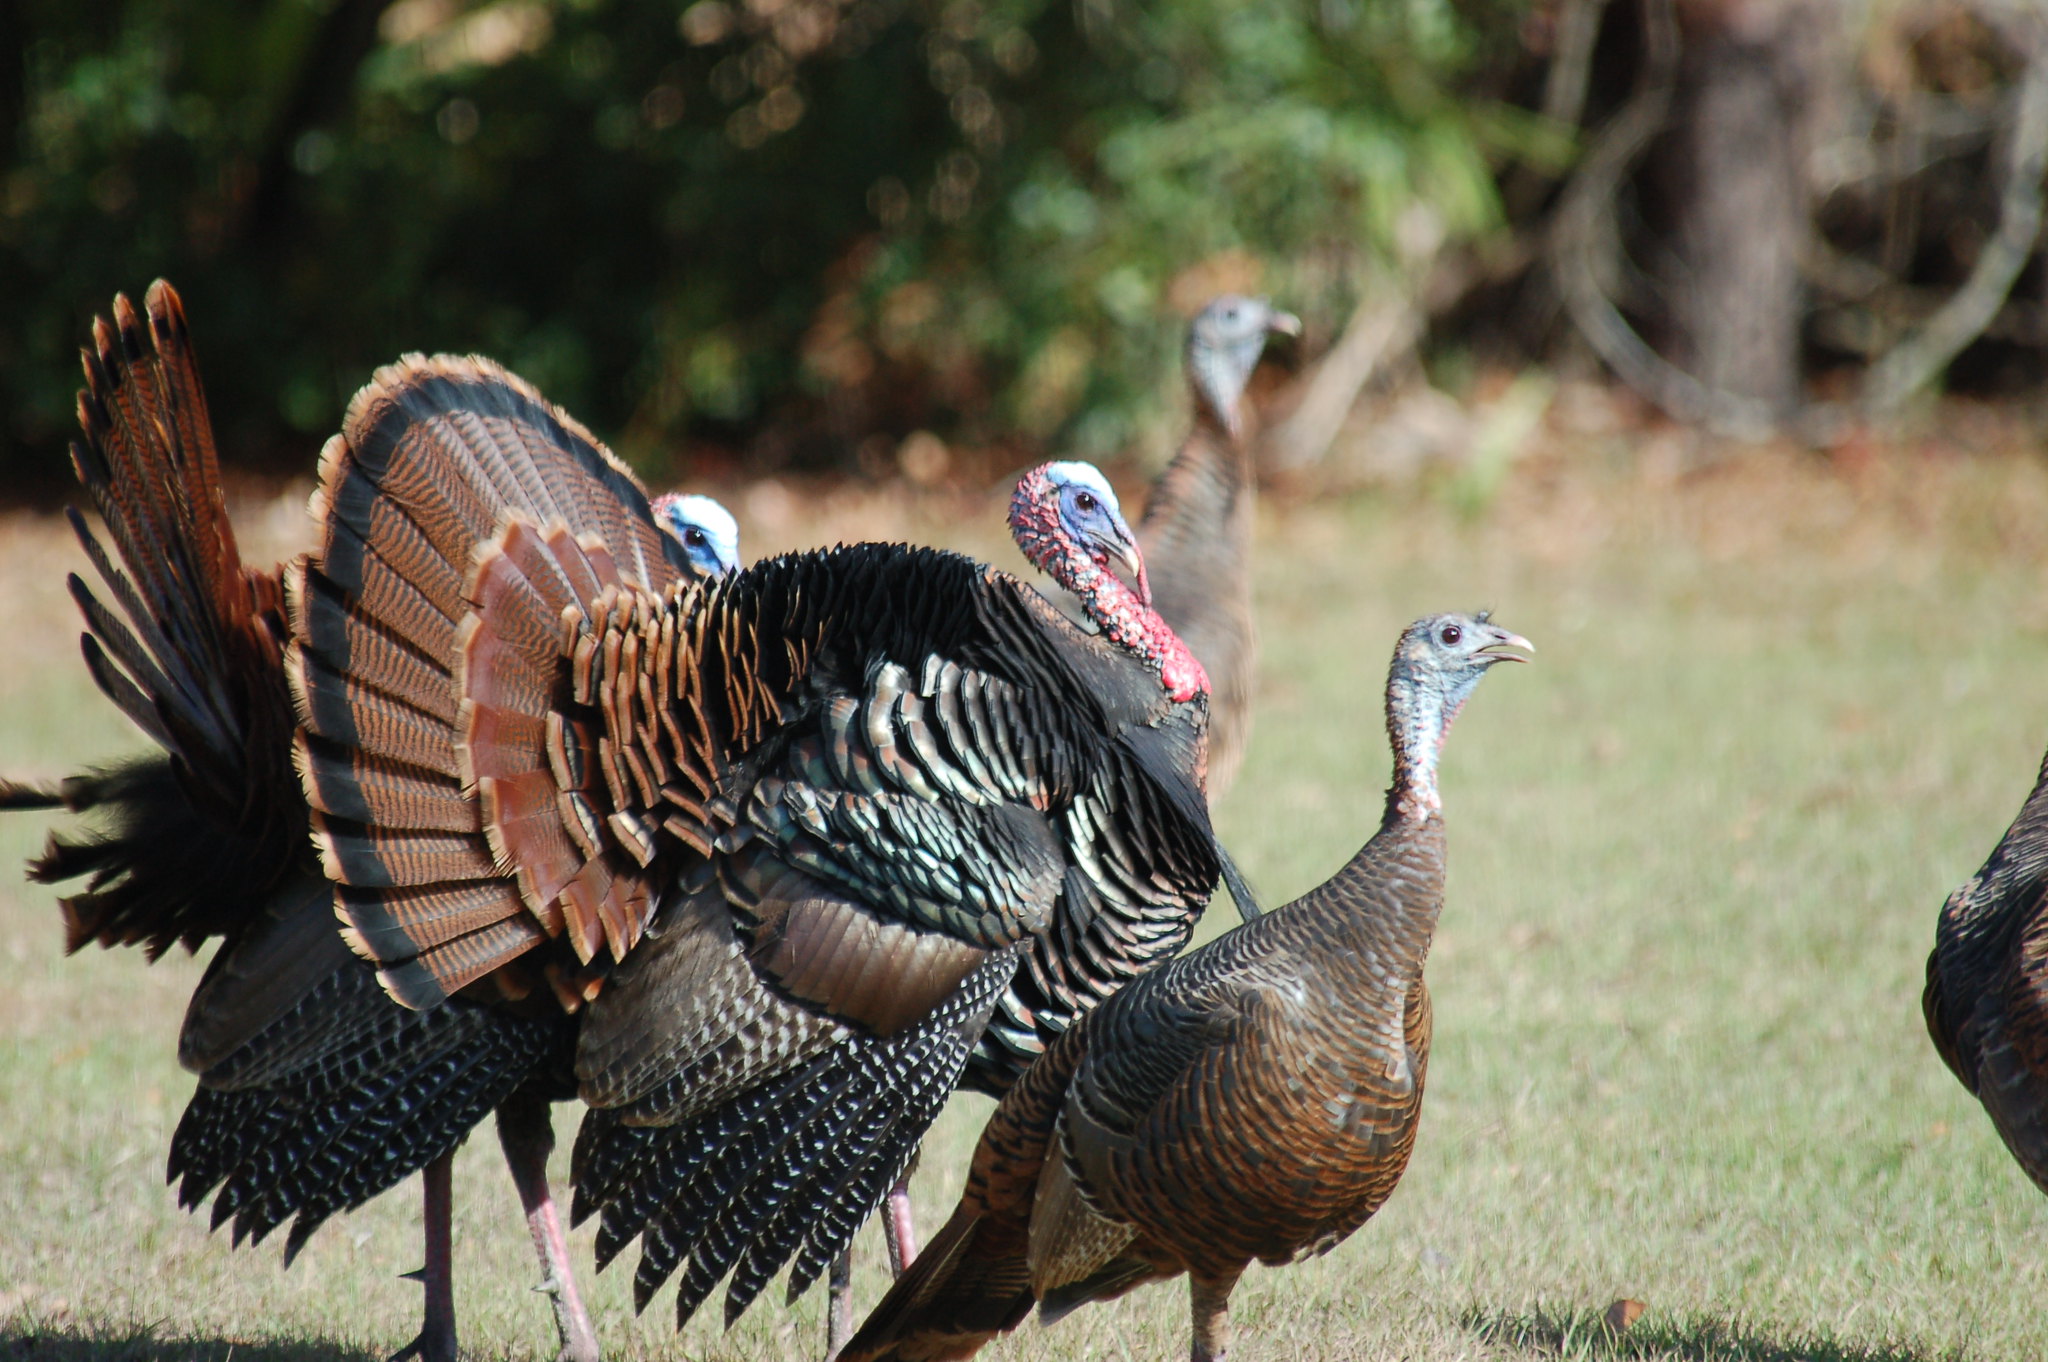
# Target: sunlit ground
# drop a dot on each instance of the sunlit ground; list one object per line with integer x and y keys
{"x": 1781, "y": 705}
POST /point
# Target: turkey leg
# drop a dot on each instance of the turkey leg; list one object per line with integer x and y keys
{"x": 898, "y": 1228}
{"x": 901, "y": 1233}
{"x": 528, "y": 1136}
{"x": 436, "y": 1341}
{"x": 1210, "y": 1297}
{"x": 839, "y": 1304}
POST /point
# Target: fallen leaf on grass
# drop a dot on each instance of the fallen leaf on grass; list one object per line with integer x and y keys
{"x": 1623, "y": 1313}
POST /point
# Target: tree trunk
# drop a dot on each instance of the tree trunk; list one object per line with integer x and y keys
{"x": 1755, "y": 87}
{"x": 13, "y": 79}
{"x": 321, "y": 92}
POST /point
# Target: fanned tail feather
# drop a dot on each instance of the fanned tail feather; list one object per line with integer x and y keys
{"x": 466, "y": 522}
{"x": 208, "y": 628}
{"x": 189, "y": 651}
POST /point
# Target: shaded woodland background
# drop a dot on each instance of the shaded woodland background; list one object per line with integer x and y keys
{"x": 940, "y": 236}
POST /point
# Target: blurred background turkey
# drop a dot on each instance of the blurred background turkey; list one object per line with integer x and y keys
{"x": 1703, "y": 338}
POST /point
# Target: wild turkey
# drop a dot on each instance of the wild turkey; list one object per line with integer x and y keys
{"x": 1197, "y": 529}
{"x": 316, "y": 1091}
{"x": 1986, "y": 1000}
{"x": 1254, "y": 1099}
{"x": 1196, "y": 540}
{"x": 780, "y": 842}
{"x": 709, "y": 535}
{"x": 1111, "y": 921}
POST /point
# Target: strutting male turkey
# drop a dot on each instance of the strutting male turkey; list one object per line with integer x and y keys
{"x": 316, "y": 1090}
{"x": 1196, "y": 537}
{"x": 786, "y": 843}
{"x": 1986, "y": 999}
{"x": 1197, "y": 527}
{"x": 1256, "y": 1099}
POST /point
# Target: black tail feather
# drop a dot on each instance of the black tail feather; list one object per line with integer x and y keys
{"x": 605, "y": 1168}
{"x": 159, "y": 873}
{"x": 1247, "y": 902}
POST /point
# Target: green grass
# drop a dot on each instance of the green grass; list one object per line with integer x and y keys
{"x": 1696, "y": 854}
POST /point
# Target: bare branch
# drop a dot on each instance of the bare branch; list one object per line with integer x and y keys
{"x": 1565, "y": 83}
{"x": 1925, "y": 354}
{"x": 1564, "y": 95}
{"x": 1386, "y": 323}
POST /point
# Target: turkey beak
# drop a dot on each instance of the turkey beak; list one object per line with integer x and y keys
{"x": 1284, "y": 324}
{"x": 1507, "y": 640}
{"x": 1123, "y": 548}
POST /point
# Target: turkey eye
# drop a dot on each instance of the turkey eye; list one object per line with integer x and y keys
{"x": 694, "y": 538}
{"x": 1451, "y": 634}
{"x": 1085, "y": 501}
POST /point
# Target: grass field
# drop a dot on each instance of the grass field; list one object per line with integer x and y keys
{"x": 1779, "y": 709}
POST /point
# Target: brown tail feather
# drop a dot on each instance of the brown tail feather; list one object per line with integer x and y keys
{"x": 969, "y": 1285}
{"x": 395, "y": 793}
{"x": 469, "y": 525}
{"x": 189, "y": 649}
{"x": 137, "y": 655}
{"x": 210, "y": 629}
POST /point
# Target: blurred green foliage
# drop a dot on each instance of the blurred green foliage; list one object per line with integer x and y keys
{"x": 781, "y": 227}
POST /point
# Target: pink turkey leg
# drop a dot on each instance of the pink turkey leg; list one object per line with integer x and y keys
{"x": 528, "y": 1136}
{"x": 898, "y": 1228}
{"x": 436, "y": 1341}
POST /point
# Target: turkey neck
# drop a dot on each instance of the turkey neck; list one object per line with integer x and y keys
{"x": 1384, "y": 903}
{"x": 1218, "y": 386}
{"x": 1137, "y": 629}
{"x": 1419, "y": 717}
{"x": 1205, "y": 487}
{"x": 1197, "y": 535}
{"x": 1124, "y": 620}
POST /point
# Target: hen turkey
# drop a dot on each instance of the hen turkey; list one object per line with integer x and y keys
{"x": 1197, "y": 528}
{"x": 1256, "y": 1099}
